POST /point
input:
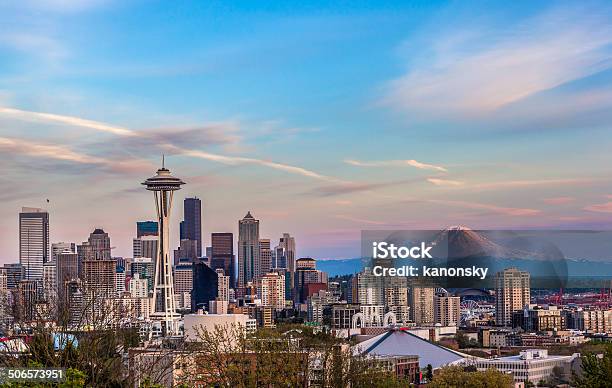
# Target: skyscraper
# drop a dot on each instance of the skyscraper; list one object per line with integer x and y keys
{"x": 265, "y": 257}
{"x": 205, "y": 286}
{"x": 193, "y": 222}
{"x": 163, "y": 185}
{"x": 287, "y": 243}
{"x": 146, "y": 228}
{"x": 248, "y": 249}
{"x": 33, "y": 241}
{"x": 60, "y": 247}
{"x": 512, "y": 293}
{"x": 222, "y": 255}
{"x": 421, "y": 300}
{"x": 100, "y": 244}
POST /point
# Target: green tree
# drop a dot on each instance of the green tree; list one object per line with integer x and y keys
{"x": 596, "y": 370}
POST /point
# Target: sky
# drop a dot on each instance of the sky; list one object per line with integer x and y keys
{"x": 322, "y": 119}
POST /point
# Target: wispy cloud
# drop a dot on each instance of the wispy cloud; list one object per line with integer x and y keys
{"x": 19, "y": 147}
{"x": 359, "y": 220}
{"x": 600, "y": 208}
{"x": 67, "y": 120}
{"x": 444, "y": 182}
{"x": 509, "y": 211}
{"x": 489, "y": 69}
{"x": 558, "y": 200}
{"x": 162, "y": 142}
{"x": 395, "y": 163}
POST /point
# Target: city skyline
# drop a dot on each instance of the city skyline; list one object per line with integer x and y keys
{"x": 454, "y": 116}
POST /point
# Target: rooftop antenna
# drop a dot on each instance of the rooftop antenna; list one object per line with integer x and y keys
{"x": 163, "y": 161}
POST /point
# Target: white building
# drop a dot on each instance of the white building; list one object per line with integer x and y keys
{"x": 139, "y": 288}
{"x": 531, "y": 365}
{"x": 193, "y": 323}
{"x": 223, "y": 285}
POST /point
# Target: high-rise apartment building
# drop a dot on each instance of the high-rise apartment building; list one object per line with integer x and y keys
{"x": 222, "y": 255}
{"x": 193, "y": 222}
{"x": 271, "y": 290}
{"x": 33, "y": 242}
{"x": 512, "y": 293}
{"x": 447, "y": 310}
{"x": 223, "y": 287}
{"x": 421, "y": 301}
{"x": 248, "y": 249}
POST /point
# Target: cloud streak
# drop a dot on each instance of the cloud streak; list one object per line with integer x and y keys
{"x": 509, "y": 211}
{"x": 600, "y": 207}
{"x": 484, "y": 71}
{"x": 396, "y": 163}
{"x": 162, "y": 142}
{"x": 63, "y": 153}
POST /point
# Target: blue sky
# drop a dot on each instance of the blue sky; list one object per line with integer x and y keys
{"x": 322, "y": 119}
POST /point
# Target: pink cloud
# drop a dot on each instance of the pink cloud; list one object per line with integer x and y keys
{"x": 558, "y": 200}
{"x": 600, "y": 207}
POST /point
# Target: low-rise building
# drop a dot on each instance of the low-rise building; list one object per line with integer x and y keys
{"x": 532, "y": 365}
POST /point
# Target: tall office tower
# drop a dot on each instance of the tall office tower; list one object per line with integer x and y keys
{"x": 222, "y": 255}
{"x": 512, "y": 293}
{"x": 288, "y": 244}
{"x": 248, "y": 249}
{"x": 67, "y": 268}
{"x": 85, "y": 251}
{"x": 187, "y": 251}
{"x": 447, "y": 310}
{"x": 33, "y": 241}
{"x": 279, "y": 257}
{"x": 99, "y": 278}
{"x": 205, "y": 286}
{"x": 145, "y": 246}
{"x": 163, "y": 185}
{"x": 183, "y": 284}
{"x": 60, "y": 247}
{"x": 265, "y": 257}
{"x": 146, "y": 228}
{"x": 100, "y": 244}
{"x": 271, "y": 290}
{"x": 223, "y": 285}
{"x": 421, "y": 301}
{"x": 193, "y": 222}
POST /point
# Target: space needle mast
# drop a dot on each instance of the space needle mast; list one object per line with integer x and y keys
{"x": 163, "y": 185}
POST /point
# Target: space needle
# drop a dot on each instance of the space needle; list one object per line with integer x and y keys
{"x": 163, "y": 185}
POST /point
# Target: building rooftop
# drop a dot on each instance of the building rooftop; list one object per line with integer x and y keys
{"x": 400, "y": 342}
